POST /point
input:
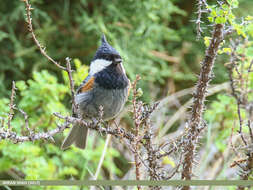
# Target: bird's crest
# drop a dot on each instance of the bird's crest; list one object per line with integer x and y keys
{"x": 105, "y": 48}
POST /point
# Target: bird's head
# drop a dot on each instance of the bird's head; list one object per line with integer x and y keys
{"x": 105, "y": 56}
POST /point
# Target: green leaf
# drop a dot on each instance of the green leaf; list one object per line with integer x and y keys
{"x": 249, "y": 18}
{"x": 5, "y": 163}
{"x": 220, "y": 20}
{"x": 211, "y": 19}
{"x": 21, "y": 85}
{"x": 3, "y": 35}
{"x": 207, "y": 40}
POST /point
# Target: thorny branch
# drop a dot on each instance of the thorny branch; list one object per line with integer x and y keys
{"x": 72, "y": 86}
{"x": 137, "y": 123}
{"x": 140, "y": 140}
{"x": 195, "y": 121}
{"x": 240, "y": 91}
{"x": 230, "y": 68}
{"x": 43, "y": 52}
{"x": 142, "y": 117}
{"x": 201, "y": 10}
{"x": 11, "y": 106}
{"x": 13, "y": 136}
{"x": 37, "y": 43}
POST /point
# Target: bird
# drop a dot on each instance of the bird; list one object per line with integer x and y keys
{"x": 106, "y": 85}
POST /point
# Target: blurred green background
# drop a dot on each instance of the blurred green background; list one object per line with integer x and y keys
{"x": 157, "y": 40}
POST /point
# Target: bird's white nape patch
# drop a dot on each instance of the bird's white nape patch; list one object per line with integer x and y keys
{"x": 98, "y": 65}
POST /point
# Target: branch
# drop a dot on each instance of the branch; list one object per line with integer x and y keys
{"x": 15, "y": 138}
{"x": 239, "y": 101}
{"x": 95, "y": 125}
{"x": 11, "y": 106}
{"x": 240, "y": 92}
{"x": 37, "y": 43}
{"x": 201, "y": 4}
{"x": 72, "y": 86}
{"x": 199, "y": 96}
{"x": 137, "y": 122}
{"x": 177, "y": 167}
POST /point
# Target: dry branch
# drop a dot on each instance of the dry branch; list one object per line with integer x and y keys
{"x": 72, "y": 86}
{"x": 137, "y": 122}
{"x": 11, "y": 106}
{"x": 202, "y": 8}
{"x": 139, "y": 141}
{"x": 240, "y": 94}
{"x": 15, "y": 138}
{"x": 195, "y": 122}
{"x": 37, "y": 43}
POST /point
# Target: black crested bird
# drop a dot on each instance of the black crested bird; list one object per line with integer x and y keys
{"x": 106, "y": 85}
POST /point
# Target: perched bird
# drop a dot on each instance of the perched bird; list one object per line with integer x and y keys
{"x": 106, "y": 85}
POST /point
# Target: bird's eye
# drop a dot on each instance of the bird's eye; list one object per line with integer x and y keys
{"x": 108, "y": 57}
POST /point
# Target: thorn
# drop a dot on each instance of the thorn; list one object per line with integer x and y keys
{"x": 52, "y": 139}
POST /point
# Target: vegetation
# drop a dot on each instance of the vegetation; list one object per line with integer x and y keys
{"x": 158, "y": 41}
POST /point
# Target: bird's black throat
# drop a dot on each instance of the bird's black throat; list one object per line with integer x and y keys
{"x": 112, "y": 77}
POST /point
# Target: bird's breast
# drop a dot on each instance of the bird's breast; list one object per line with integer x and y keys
{"x": 112, "y": 77}
{"x": 112, "y": 101}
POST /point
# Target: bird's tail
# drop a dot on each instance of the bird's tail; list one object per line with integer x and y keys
{"x": 78, "y": 135}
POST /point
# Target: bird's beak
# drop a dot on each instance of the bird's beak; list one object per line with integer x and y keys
{"x": 118, "y": 60}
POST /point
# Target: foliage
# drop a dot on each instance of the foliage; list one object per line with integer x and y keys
{"x": 227, "y": 114}
{"x": 40, "y": 97}
{"x": 134, "y": 29}
{"x": 157, "y": 41}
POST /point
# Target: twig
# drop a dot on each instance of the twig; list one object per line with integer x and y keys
{"x": 72, "y": 86}
{"x": 11, "y": 106}
{"x": 177, "y": 167}
{"x": 15, "y": 174}
{"x": 200, "y": 11}
{"x": 15, "y": 138}
{"x": 95, "y": 125}
{"x": 2, "y": 122}
{"x": 230, "y": 68}
{"x": 231, "y": 142}
{"x": 242, "y": 101}
{"x": 250, "y": 67}
{"x": 240, "y": 122}
{"x": 152, "y": 160}
{"x": 167, "y": 153}
{"x": 198, "y": 21}
{"x": 43, "y": 52}
{"x": 250, "y": 131}
{"x": 37, "y": 43}
{"x": 26, "y": 120}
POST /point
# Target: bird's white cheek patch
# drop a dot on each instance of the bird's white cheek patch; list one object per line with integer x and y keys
{"x": 98, "y": 65}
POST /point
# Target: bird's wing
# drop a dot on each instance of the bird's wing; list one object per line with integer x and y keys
{"x": 84, "y": 92}
{"x": 86, "y": 85}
